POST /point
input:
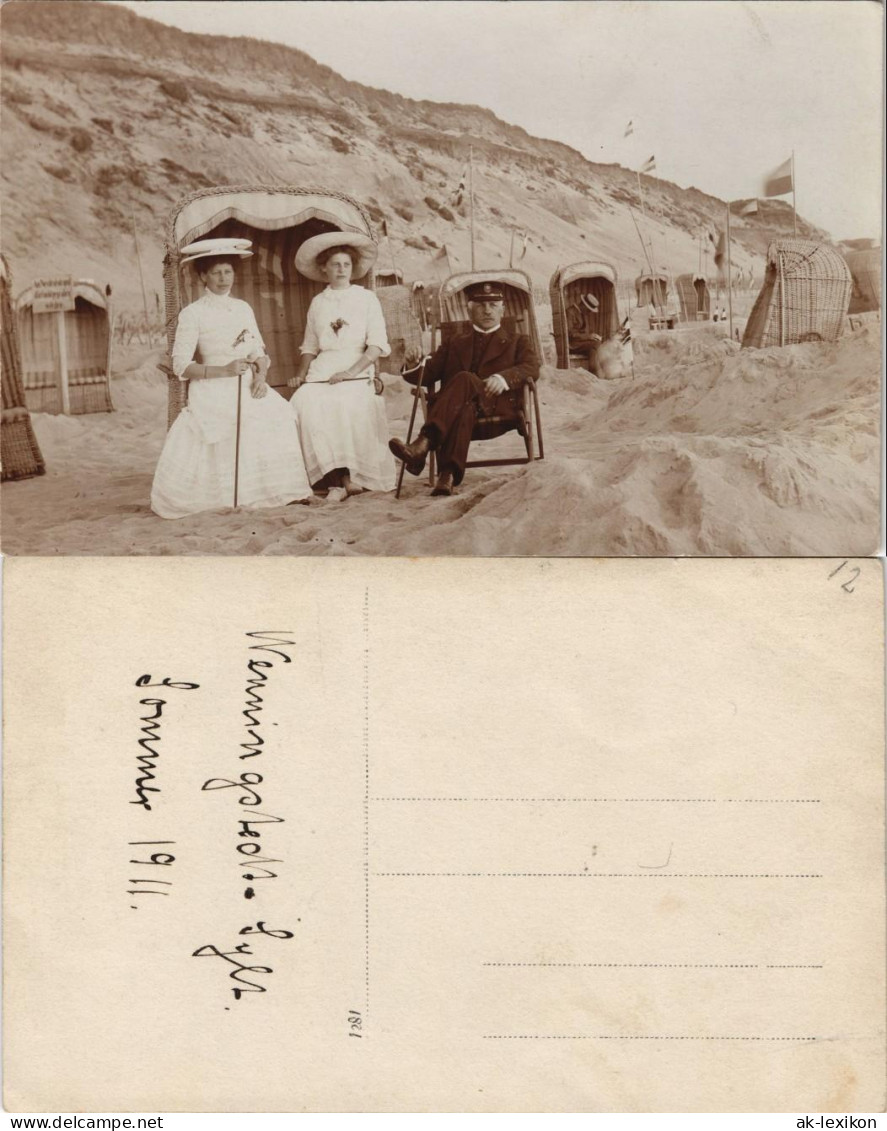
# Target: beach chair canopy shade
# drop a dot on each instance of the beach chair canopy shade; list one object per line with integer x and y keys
{"x": 865, "y": 272}
{"x": 451, "y": 317}
{"x": 277, "y": 220}
{"x": 652, "y": 289}
{"x": 87, "y": 345}
{"x": 19, "y": 451}
{"x": 694, "y": 296}
{"x": 387, "y": 277}
{"x": 452, "y": 303}
{"x": 566, "y": 289}
{"x": 804, "y": 298}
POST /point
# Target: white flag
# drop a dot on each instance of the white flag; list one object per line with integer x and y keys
{"x": 629, "y": 129}
{"x": 459, "y": 193}
{"x": 780, "y": 181}
{"x": 649, "y": 165}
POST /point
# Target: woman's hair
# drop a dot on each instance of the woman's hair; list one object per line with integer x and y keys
{"x": 323, "y": 257}
{"x": 207, "y": 262}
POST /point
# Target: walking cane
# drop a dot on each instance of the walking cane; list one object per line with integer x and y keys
{"x": 403, "y": 466}
{"x": 237, "y": 434}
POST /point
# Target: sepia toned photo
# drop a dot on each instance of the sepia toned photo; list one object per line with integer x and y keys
{"x": 502, "y": 279}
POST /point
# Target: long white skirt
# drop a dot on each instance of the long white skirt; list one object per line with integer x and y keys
{"x": 343, "y": 425}
{"x": 196, "y": 473}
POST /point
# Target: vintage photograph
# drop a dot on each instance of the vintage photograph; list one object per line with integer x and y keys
{"x": 479, "y": 279}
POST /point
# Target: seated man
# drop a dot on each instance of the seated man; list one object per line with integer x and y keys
{"x": 580, "y": 335}
{"x": 478, "y": 372}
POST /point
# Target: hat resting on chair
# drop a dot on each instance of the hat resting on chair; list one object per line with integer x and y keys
{"x": 306, "y": 256}
{"x": 590, "y": 303}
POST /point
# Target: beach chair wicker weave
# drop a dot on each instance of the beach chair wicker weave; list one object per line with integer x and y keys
{"x": 804, "y": 298}
{"x": 88, "y": 330}
{"x": 19, "y": 451}
{"x": 565, "y": 290}
{"x": 277, "y": 219}
{"x": 404, "y": 331}
{"x": 694, "y": 296}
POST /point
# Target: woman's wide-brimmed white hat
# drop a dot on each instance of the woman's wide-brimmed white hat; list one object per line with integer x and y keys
{"x": 203, "y": 248}
{"x": 306, "y": 256}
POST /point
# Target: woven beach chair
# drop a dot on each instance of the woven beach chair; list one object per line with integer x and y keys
{"x": 694, "y": 296}
{"x": 654, "y": 290}
{"x": 566, "y": 288}
{"x": 278, "y": 219}
{"x": 87, "y": 335}
{"x": 404, "y": 331}
{"x": 19, "y": 451}
{"x": 804, "y": 298}
{"x": 450, "y": 318}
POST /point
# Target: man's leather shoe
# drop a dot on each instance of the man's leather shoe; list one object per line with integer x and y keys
{"x": 413, "y": 455}
{"x": 444, "y": 484}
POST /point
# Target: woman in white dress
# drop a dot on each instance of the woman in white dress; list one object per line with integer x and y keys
{"x": 217, "y": 345}
{"x": 342, "y": 424}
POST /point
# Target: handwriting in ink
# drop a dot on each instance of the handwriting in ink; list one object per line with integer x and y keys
{"x": 155, "y": 860}
{"x": 244, "y": 985}
{"x": 146, "y": 763}
{"x": 249, "y": 845}
{"x": 259, "y": 674}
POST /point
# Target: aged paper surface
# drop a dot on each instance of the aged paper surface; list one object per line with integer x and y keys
{"x": 489, "y": 835}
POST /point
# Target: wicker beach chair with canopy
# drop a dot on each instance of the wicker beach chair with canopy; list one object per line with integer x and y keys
{"x": 566, "y": 290}
{"x": 865, "y": 271}
{"x": 694, "y": 296}
{"x": 653, "y": 289}
{"x": 19, "y": 451}
{"x": 85, "y": 337}
{"x": 804, "y": 298}
{"x": 388, "y": 277}
{"x": 450, "y": 317}
{"x": 277, "y": 219}
{"x": 404, "y": 331}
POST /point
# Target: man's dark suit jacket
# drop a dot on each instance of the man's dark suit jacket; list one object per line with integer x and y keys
{"x": 509, "y": 354}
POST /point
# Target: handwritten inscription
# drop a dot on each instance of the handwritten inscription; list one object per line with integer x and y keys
{"x": 146, "y": 762}
{"x": 240, "y": 969}
{"x": 151, "y": 881}
{"x": 248, "y": 845}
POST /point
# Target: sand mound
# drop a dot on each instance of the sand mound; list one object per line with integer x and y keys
{"x": 706, "y": 450}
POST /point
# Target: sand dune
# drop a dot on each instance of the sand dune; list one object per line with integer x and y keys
{"x": 706, "y": 450}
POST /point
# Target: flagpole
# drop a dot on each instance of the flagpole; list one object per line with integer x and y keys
{"x": 729, "y": 275}
{"x": 471, "y": 199}
{"x": 641, "y": 238}
{"x": 794, "y": 208}
{"x": 646, "y": 221}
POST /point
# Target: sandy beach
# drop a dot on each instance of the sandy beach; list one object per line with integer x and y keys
{"x": 707, "y": 450}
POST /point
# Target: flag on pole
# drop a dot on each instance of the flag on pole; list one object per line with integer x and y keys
{"x": 749, "y": 209}
{"x": 459, "y": 192}
{"x": 629, "y": 129}
{"x": 720, "y": 244}
{"x": 649, "y": 165}
{"x": 779, "y": 182}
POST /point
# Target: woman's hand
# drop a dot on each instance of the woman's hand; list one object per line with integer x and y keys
{"x": 296, "y": 381}
{"x": 258, "y": 387}
{"x": 343, "y": 376}
{"x": 236, "y": 367}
